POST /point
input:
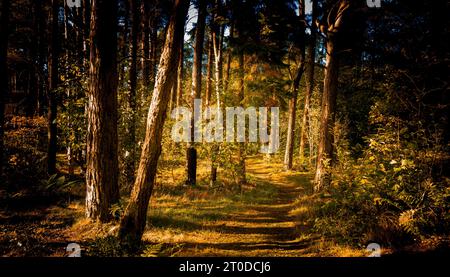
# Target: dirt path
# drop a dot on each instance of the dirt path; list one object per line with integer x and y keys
{"x": 264, "y": 227}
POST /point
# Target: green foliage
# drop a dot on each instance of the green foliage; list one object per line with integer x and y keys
{"x": 394, "y": 192}
{"x": 57, "y": 183}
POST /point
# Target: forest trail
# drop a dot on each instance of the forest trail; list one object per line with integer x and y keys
{"x": 257, "y": 224}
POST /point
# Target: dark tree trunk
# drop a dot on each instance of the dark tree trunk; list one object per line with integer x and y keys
{"x": 102, "y": 140}
{"x": 179, "y": 80}
{"x": 196, "y": 89}
{"x": 145, "y": 45}
{"x": 4, "y": 22}
{"x": 123, "y": 47}
{"x": 134, "y": 220}
{"x": 131, "y": 130}
{"x": 153, "y": 43}
{"x": 288, "y": 156}
{"x": 53, "y": 60}
{"x": 325, "y": 148}
{"x": 311, "y": 58}
{"x": 86, "y": 28}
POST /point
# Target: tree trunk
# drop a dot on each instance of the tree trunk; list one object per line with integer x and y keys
{"x": 131, "y": 132}
{"x": 53, "y": 60}
{"x": 87, "y": 28}
{"x": 145, "y": 34}
{"x": 123, "y": 43}
{"x": 4, "y": 22}
{"x": 309, "y": 84}
{"x": 288, "y": 155}
{"x": 102, "y": 140}
{"x": 241, "y": 172}
{"x": 134, "y": 220}
{"x": 196, "y": 89}
{"x": 153, "y": 43}
{"x": 177, "y": 88}
{"x": 217, "y": 42}
{"x": 325, "y": 148}
{"x": 229, "y": 58}
{"x": 209, "y": 77}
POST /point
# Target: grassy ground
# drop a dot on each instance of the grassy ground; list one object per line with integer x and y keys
{"x": 267, "y": 217}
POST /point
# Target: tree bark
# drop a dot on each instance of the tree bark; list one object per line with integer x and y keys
{"x": 4, "y": 22}
{"x": 288, "y": 156}
{"x": 217, "y": 43}
{"x": 177, "y": 88}
{"x": 241, "y": 172}
{"x": 229, "y": 58}
{"x": 209, "y": 77}
{"x": 153, "y": 42}
{"x": 134, "y": 220}
{"x": 325, "y": 148}
{"x": 145, "y": 35}
{"x": 102, "y": 139}
{"x": 123, "y": 42}
{"x": 311, "y": 58}
{"x": 196, "y": 89}
{"x": 131, "y": 132}
{"x": 53, "y": 60}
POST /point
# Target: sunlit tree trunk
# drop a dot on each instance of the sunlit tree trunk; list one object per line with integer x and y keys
{"x": 325, "y": 148}
{"x": 229, "y": 58}
{"x": 288, "y": 156}
{"x": 241, "y": 156}
{"x": 4, "y": 22}
{"x": 209, "y": 76}
{"x": 102, "y": 140}
{"x": 217, "y": 38}
{"x": 134, "y": 219}
{"x": 196, "y": 89}
{"x": 311, "y": 58}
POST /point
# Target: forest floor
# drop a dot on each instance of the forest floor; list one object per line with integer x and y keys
{"x": 263, "y": 218}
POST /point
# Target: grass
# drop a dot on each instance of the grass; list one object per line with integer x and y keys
{"x": 269, "y": 216}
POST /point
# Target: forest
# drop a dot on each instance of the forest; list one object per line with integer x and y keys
{"x": 179, "y": 128}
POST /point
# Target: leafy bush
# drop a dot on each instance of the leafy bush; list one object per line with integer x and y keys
{"x": 395, "y": 192}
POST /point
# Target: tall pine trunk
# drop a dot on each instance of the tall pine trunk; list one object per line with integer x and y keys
{"x": 131, "y": 132}
{"x": 196, "y": 89}
{"x": 134, "y": 220}
{"x": 217, "y": 42}
{"x": 102, "y": 139}
{"x": 241, "y": 172}
{"x": 325, "y": 148}
{"x": 311, "y": 58}
{"x": 209, "y": 77}
{"x": 145, "y": 46}
{"x": 288, "y": 156}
